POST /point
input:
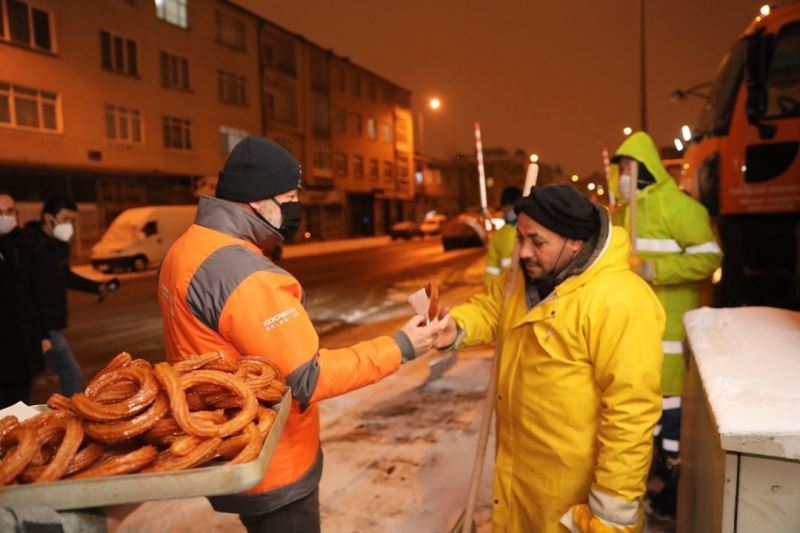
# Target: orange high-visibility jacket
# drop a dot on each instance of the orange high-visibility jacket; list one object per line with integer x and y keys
{"x": 217, "y": 292}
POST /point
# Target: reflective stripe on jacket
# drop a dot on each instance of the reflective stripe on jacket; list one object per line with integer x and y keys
{"x": 578, "y": 387}
{"x": 217, "y": 292}
{"x": 673, "y": 231}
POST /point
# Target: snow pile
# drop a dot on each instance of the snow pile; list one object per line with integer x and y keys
{"x": 749, "y": 360}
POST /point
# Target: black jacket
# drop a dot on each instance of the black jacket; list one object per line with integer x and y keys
{"x": 53, "y": 275}
{"x": 21, "y": 322}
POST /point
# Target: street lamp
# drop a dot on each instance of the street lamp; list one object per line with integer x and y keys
{"x": 574, "y": 178}
{"x": 534, "y": 158}
{"x": 627, "y": 130}
{"x": 678, "y": 144}
{"x": 434, "y": 104}
{"x": 590, "y": 186}
{"x": 765, "y": 10}
{"x": 686, "y": 132}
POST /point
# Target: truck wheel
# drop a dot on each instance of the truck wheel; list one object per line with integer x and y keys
{"x": 139, "y": 263}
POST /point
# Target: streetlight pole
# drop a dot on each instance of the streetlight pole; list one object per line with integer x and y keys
{"x": 421, "y": 122}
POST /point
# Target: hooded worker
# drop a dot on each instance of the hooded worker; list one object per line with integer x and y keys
{"x": 501, "y": 245}
{"x": 579, "y": 366}
{"x": 675, "y": 251}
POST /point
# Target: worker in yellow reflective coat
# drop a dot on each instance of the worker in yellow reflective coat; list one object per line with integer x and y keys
{"x": 501, "y": 245}
{"x": 578, "y": 391}
{"x": 675, "y": 252}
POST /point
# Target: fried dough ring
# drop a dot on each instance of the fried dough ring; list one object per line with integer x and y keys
{"x": 175, "y": 387}
{"x": 7, "y": 423}
{"x": 24, "y": 440}
{"x": 85, "y": 457}
{"x": 58, "y": 402}
{"x": 252, "y": 447}
{"x": 117, "y": 464}
{"x": 257, "y": 373}
{"x": 132, "y": 427}
{"x": 223, "y": 365}
{"x": 195, "y": 362}
{"x": 97, "y": 411}
{"x": 69, "y": 429}
{"x": 201, "y": 453}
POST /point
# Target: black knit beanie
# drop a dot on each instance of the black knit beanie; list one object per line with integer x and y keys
{"x": 562, "y": 209}
{"x": 258, "y": 169}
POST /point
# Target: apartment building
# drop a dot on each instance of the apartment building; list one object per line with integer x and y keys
{"x": 119, "y": 103}
{"x": 123, "y": 102}
{"x": 350, "y": 128}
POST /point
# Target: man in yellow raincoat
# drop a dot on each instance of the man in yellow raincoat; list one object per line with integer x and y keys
{"x": 578, "y": 389}
{"x": 675, "y": 251}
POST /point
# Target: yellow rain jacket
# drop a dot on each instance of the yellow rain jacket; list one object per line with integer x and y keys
{"x": 673, "y": 232}
{"x": 578, "y": 389}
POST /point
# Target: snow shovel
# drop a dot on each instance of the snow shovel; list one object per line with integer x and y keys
{"x": 466, "y": 522}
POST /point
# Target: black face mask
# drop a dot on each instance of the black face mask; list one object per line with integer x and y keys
{"x": 291, "y": 214}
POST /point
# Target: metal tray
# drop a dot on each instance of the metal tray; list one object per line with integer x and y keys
{"x": 133, "y": 488}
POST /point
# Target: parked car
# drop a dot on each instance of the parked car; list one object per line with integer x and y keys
{"x": 432, "y": 225}
{"x": 466, "y": 230}
{"x": 405, "y": 230}
{"x": 140, "y": 237}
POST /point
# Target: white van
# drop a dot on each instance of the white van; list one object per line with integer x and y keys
{"x": 140, "y": 237}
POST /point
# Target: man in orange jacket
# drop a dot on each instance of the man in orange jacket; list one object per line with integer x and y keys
{"x": 217, "y": 292}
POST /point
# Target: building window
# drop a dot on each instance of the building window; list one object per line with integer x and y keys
{"x": 230, "y": 137}
{"x": 372, "y": 132}
{"x": 25, "y": 107}
{"x": 231, "y": 32}
{"x": 340, "y": 164}
{"x": 173, "y": 11}
{"x": 402, "y": 169}
{"x": 339, "y": 80}
{"x": 372, "y": 91}
{"x": 356, "y": 126}
{"x": 387, "y": 95}
{"x": 320, "y": 112}
{"x": 339, "y": 120}
{"x": 322, "y": 157}
{"x": 373, "y": 169}
{"x": 402, "y": 131}
{"x": 355, "y": 86}
{"x": 358, "y": 167}
{"x": 26, "y": 25}
{"x": 118, "y": 54}
{"x": 231, "y": 89}
{"x": 177, "y": 132}
{"x": 123, "y": 124}
{"x": 386, "y": 133}
{"x": 387, "y": 171}
{"x": 174, "y": 71}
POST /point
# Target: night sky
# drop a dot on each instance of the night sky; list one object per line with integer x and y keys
{"x": 559, "y": 78}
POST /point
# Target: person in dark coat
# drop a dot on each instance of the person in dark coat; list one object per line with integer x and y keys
{"x": 24, "y": 336}
{"x": 53, "y": 276}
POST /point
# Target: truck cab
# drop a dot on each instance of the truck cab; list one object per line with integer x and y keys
{"x": 743, "y": 162}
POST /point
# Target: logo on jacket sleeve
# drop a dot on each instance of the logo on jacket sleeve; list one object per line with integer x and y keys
{"x": 280, "y": 319}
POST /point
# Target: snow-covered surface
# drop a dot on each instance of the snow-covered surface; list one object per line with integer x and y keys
{"x": 749, "y": 362}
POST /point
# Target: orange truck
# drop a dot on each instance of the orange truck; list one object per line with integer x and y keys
{"x": 743, "y": 162}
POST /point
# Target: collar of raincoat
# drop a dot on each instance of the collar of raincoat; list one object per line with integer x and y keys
{"x": 223, "y": 216}
{"x": 640, "y": 146}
